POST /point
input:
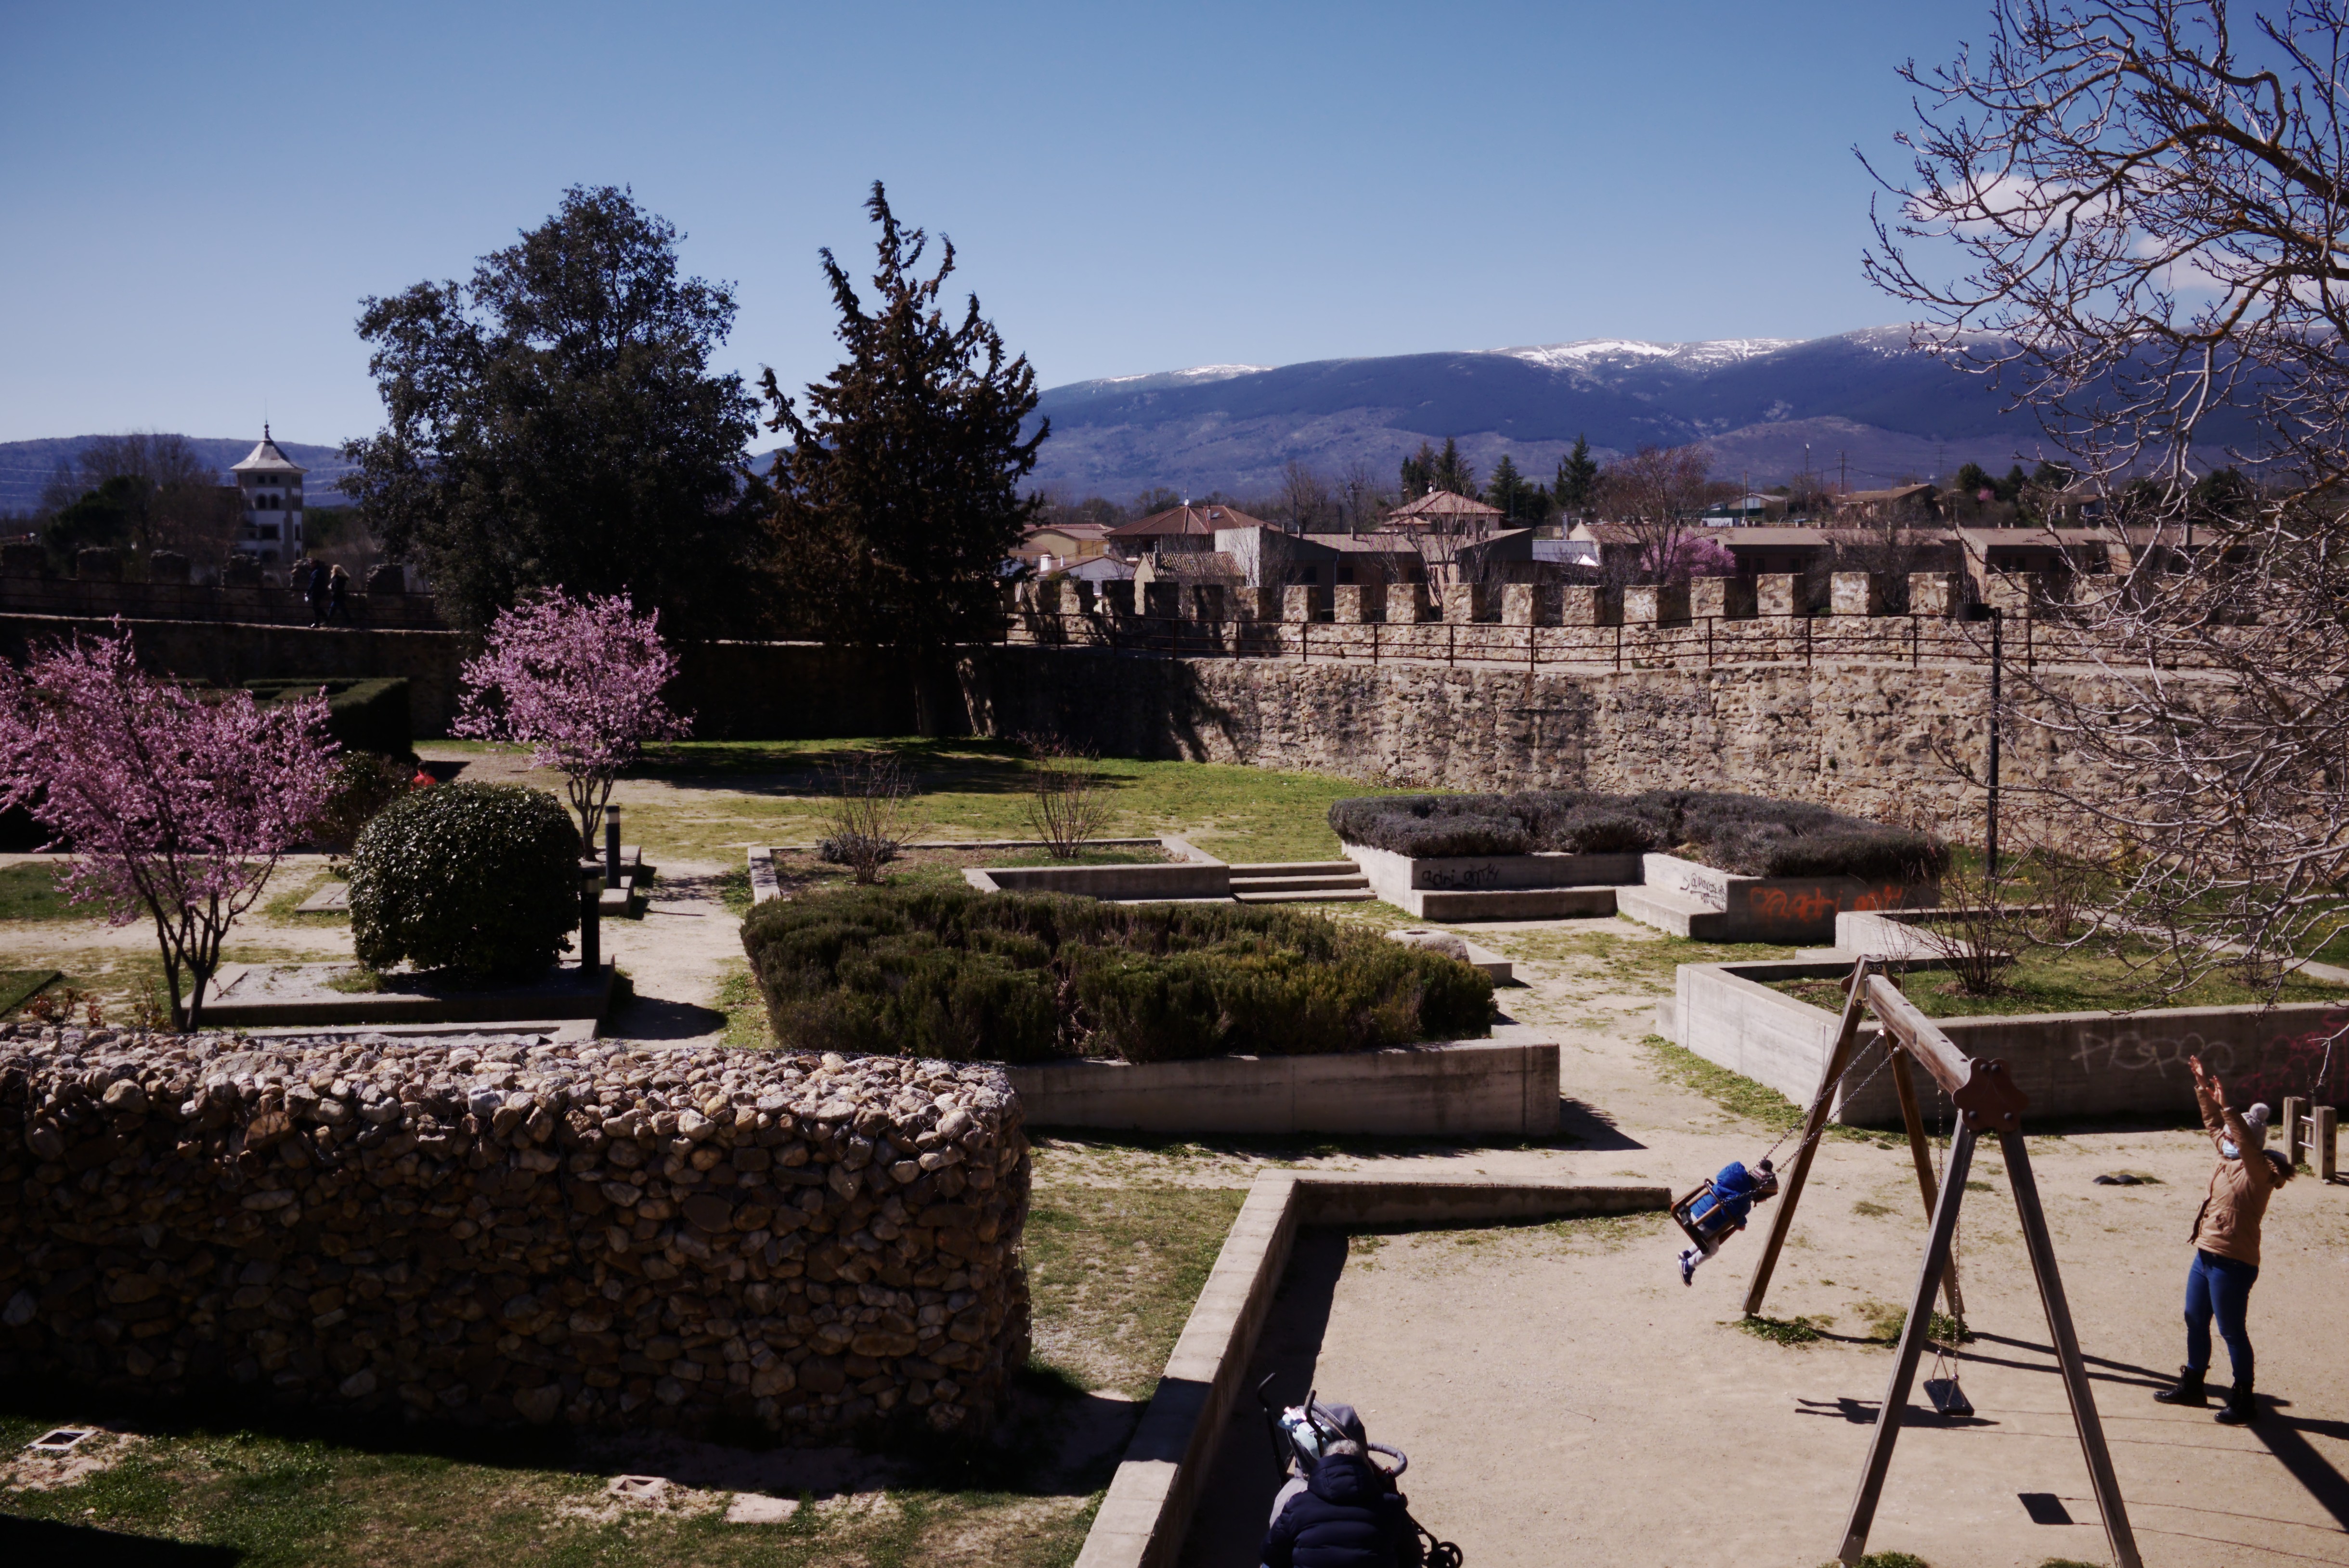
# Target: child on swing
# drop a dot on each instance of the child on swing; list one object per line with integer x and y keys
{"x": 1721, "y": 1207}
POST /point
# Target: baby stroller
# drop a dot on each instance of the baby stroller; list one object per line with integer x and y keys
{"x": 1301, "y": 1432}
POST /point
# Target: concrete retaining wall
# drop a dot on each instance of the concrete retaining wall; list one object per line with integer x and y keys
{"x": 1778, "y": 909}
{"x": 1143, "y": 1520}
{"x": 1507, "y": 1087}
{"x": 2072, "y": 1065}
{"x": 1161, "y": 881}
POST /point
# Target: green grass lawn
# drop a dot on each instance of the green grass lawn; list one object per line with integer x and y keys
{"x": 2082, "y": 981}
{"x": 29, "y": 891}
{"x": 1115, "y": 1274}
{"x": 722, "y": 796}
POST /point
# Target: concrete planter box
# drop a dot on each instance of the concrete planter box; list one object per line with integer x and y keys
{"x": 1495, "y": 887}
{"x": 1507, "y": 1087}
{"x": 2070, "y": 1064}
{"x": 1696, "y": 901}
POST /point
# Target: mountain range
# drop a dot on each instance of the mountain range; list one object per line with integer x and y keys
{"x": 1863, "y": 407}
{"x": 1863, "y": 403}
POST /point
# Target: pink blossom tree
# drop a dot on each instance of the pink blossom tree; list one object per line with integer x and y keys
{"x": 1685, "y": 556}
{"x": 578, "y": 681}
{"x": 176, "y": 806}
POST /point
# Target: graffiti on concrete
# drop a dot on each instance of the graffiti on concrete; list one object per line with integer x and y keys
{"x": 2254, "y": 1069}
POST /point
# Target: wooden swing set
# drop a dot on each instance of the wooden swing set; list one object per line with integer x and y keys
{"x": 1987, "y": 1100}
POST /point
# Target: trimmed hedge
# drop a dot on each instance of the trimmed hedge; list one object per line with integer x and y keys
{"x": 964, "y": 975}
{"x": 1744, "y": 834}
{"x": 364, "y": 714}
{"x": 481, "y": 878}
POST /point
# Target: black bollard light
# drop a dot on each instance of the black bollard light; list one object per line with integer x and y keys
{"x": 611, "y": 846}
{"x": 591, "y": 929}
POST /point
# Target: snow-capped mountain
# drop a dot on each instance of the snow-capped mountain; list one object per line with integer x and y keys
{"x": 1865, "y": 404}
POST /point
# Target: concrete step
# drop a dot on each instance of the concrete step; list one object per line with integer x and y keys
{"x": 1298, "y": 884}
{"x": 1516, "y": 904}
{"x": 1296, "y": 868}
{"x": 1674, "y": 913}
{"x": 1325, "y": 895}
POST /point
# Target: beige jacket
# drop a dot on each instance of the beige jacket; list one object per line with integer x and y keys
{"x": 2227, "y": 1224}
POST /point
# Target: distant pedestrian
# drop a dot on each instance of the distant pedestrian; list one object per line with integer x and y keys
{"x": 338, "y": 597}
{"x": 318, "y": 593}
{"x": 2225, "y": 1248}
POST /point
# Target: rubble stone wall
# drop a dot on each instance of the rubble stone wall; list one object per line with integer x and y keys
{"x": 486, "y": 1231}
{"x": 1868, "y": 738}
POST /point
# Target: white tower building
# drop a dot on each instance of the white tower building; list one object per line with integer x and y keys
{"x": 270, "y": 484}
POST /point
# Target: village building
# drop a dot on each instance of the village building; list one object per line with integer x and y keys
{"x": 269, "y": 484}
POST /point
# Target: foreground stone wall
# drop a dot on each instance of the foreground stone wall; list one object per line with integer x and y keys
{"x": 1858, "y": 736}
{"x": 542, "y": 1234}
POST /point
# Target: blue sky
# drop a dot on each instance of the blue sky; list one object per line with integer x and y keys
{"x": 199, "y": 195}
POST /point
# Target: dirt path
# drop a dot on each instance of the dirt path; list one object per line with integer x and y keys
{"x": 1565, "y": 1400}
{"x": 675, "y": 956}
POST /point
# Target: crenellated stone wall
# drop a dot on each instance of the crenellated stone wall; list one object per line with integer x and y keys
{"x": 500, "y": 1231}
{"x": 1865, "y": 738}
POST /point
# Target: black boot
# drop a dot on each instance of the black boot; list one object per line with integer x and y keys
{"x": 2239, "y": 1408}
{"x": 2188, "y": 1390}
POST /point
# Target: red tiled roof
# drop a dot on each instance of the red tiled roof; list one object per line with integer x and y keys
{"x": 1186, "y": 519}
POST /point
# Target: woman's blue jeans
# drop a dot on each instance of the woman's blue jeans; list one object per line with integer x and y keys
{"x": 2223, "y": 1287}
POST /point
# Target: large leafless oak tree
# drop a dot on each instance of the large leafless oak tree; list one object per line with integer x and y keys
{"x": 2132, "y": 214}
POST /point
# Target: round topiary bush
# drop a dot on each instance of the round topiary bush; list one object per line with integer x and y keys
{"x": 481, "y": 879}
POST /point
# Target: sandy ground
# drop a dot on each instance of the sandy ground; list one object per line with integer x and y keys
{"x": 676, "y": 955}
{"x": 1565, "y": 1400}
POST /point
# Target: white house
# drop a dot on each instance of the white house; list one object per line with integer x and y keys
{"x": 270, "y": 484}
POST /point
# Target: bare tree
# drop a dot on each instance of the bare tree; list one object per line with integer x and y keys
{"x": 1067, "y": 804}
{"x": 175, "y": 500}
{"x": 1305, "y": 502}
{"x": 1657, "y": 493}
{"x": 865, "y": 817}
{"x": 2145, "y": 204}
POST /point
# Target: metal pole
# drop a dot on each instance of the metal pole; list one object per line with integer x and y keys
{"x": 1997, "y": 658}
{"x": 2117, "y": 1533}
{"x": 611, "y": 846}
{"x": 1912, "y": 1345}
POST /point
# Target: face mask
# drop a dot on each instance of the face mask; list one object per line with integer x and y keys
{"x": 2227, "y": 1146}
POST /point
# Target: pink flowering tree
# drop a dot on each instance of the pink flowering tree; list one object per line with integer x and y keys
{"x": 578, "y": 681}
{"x": 177, "y": 806}
{"x": 1685, "y": 556}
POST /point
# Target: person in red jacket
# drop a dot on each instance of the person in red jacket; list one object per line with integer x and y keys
{"x": 2226, "y": 1247}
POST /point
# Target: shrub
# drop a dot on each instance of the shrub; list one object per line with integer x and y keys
{"x": 956, "y": 974}
{"x": 362, "y": 715}
{"x": 1744, "y": 834}
{"x": 481, "y": 879}
{"x": 365, "y": 783}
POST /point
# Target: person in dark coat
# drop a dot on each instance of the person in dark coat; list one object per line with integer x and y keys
{"x": 338, "y": 597}
{"x": 1349, "y": 1515}
{"x": 317, "y": 592}
{"x": 1724, "y": 1209}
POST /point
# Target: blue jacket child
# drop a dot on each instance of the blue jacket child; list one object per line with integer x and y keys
{"x": 1722, "y": 1210}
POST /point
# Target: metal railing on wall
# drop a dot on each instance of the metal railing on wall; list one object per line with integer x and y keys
{"x": 1704, "y": 642}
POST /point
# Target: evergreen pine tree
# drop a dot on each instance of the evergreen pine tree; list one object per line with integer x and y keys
{"x": 1419, "y": 472}
{"x": 1452, "y": 471}
{"x": 899, "y": 496}
{"x": 1510, "y": 491}
{"x": 1578, "y": 479}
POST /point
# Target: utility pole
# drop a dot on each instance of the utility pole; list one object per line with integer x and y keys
{"x": 1842, "y": 471}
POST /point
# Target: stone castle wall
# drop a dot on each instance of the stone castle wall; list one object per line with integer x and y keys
{"x": 542, "y": 1234}
{"x": 733, "y": 690}
{"x": 1858, "y": 736}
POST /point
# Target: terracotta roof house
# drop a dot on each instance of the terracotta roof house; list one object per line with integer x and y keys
{"x": 1443, "y": 508}
{"x": 1052, "y": 546}
{"x": 1178, "y": 528}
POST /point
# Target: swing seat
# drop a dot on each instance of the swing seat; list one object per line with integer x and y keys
{"x": 1705, "y": 1231}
